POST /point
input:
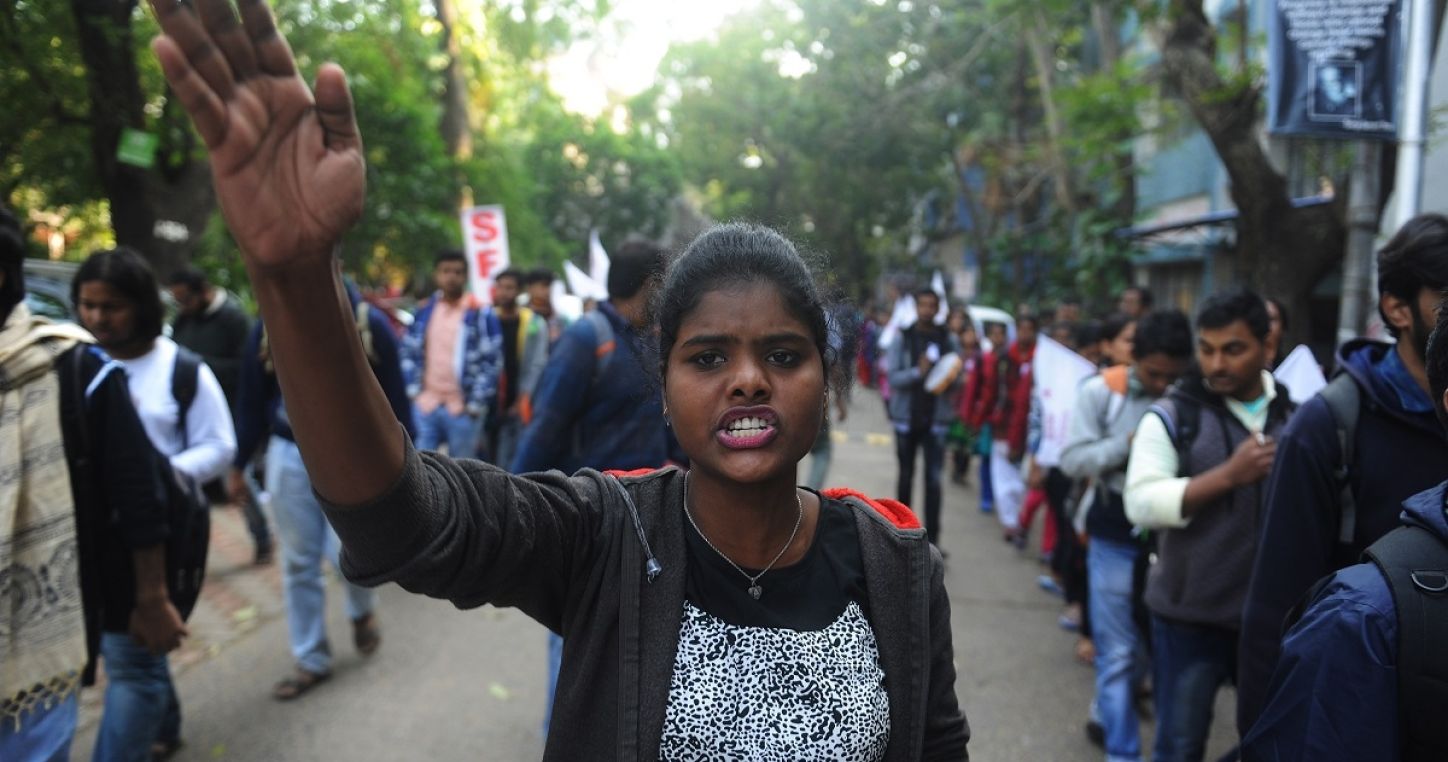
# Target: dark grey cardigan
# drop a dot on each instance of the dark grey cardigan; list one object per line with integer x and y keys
{"x": 566, "y": 551}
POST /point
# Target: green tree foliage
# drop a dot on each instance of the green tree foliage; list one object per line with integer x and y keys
{"x": 557, "y": 174}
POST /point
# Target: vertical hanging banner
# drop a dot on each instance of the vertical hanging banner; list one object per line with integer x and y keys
{"x": 485, "y": 240}
{"x": 1333, "y": 68}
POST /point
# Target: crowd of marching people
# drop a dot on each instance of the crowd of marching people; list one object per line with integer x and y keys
{"x": 1205, "y": 517}
{"x": 1215, "y": 511}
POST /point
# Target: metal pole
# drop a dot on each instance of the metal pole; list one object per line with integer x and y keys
{"x": 1357, "y": 266}
{"x": 1415, "y": 112}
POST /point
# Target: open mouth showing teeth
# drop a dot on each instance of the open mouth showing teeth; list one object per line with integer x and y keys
{"x": 747, "y": 427}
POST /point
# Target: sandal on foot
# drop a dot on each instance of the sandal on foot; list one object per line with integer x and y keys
{"x": 365, "y": 635}
{"x": 292, "y": 687}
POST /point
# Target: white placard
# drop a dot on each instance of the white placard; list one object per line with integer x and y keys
{"x": 1057, "y": 372}
{"x": 1302, "y": 375}
{"x": 485, "y": 239}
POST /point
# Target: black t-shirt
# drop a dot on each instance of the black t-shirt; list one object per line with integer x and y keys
{"x": 807, "y": 595}
{"x": 510, "y": 362}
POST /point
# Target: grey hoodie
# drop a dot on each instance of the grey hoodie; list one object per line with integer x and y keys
{"x": 571, "y": 553}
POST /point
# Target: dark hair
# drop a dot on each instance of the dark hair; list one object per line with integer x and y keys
{"x": 538, "y": 275}
{"x": 12, "y": 263}
{"x": 1143, "y": 295}
{"x": 128, "y": 273}
{"x": 919, "y": 292}
{"x": 1088, "y": 332}
{"x": 737, "y": 254}
{"x": 1414, "y": 259}
{"x": 190, "y": 277}
{"x": 1436, "y": 360}
{"x": 1281, "y": 311}
{"x": 1226, "y": 307}
{"x": 1112, "y": 326}
{"x": 1163, "y": 332}
{"x": 450, "y": 255}
{"x": 510, "y": 273}
{"x": 1031, "y": 318}
{"x": 634, "y": 264}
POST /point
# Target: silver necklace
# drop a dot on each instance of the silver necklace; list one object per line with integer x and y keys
{"x": 754, "y": 589}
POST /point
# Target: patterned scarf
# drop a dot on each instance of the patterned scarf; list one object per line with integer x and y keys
{"x": 42, "y": 624}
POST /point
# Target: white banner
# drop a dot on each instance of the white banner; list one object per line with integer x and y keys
{"x": 485, "y": 239}
{"x": 1301, "y": 374}
{"x": 1058, "y": 373}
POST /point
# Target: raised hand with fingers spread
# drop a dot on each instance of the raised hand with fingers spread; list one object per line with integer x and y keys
{"x": 286, "y": 160}
{"x": 288, "y": 168}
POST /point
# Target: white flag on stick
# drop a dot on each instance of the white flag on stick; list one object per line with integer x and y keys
{"x": 1057, "y": 373}
{"x": 937, "y": 284}
{"x": 581, "y": 285}
{"x": 598, "y": 262}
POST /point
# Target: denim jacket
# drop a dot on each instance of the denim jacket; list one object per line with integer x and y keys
{"x": 476, "y": 358}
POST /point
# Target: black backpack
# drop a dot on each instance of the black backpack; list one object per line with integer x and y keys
{"x": 188, "y": 516}
{"x": 1414, "y": 562}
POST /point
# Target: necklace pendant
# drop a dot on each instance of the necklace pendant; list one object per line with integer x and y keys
{"x": 755, "y": 591}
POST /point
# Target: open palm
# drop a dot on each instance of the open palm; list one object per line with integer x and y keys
{"x": 286, "y": 160}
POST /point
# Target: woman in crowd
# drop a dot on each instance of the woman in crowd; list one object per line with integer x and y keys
{"x": 721, "y": 613}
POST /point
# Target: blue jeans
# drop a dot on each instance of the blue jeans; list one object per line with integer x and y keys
{"x": 307, "y": 541}
{"x": 141, "y": 704}
{"x": 555, "y": 663}
{"x": 43, "y": 735}
{"x": 1118, "y": 643}
{"x": 459, "y": 432}
{"x": 1191, "y": 662}
{"x": 510, "y": 434}
{"x": 932, "y": 440}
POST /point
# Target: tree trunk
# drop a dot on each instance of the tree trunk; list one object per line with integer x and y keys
{"x": 456, "y": 127}
{"x": 116, "y": 102}
{"x": 1044, "y": 61}
{"x": 176, "y": 193}
{"x": 1285, "y": 250}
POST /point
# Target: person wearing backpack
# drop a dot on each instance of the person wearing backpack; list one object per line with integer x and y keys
{"x": 307, "y": 539}
{"x": 1196, "y": 473}
{"x": 101, "y": 501}
{"x": 1108, "y": 408}
{"x": 1363, "y": 668}
{"x": 595, "y": 405}
{"x": 188, "y": 422}
{"x": 1328, "y": 499}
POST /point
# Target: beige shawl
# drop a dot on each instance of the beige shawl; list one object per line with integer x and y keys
{"x": 42, "y": 625}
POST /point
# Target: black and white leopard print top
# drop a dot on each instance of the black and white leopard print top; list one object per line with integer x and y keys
{"x": 794, "y": 675}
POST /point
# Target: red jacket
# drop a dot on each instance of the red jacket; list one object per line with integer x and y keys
{"x": 1005, "y": 398}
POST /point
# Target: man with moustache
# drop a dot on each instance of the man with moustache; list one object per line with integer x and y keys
{"x": 1196, "y": 475}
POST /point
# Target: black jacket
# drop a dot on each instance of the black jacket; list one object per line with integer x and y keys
{"x": 1398, "y": 454}
{"x": 119, "y": 500}
{"x": 219, "y": 337}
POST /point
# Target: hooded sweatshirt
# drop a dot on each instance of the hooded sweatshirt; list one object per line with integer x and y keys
{"x": 1334, "y": 694}
{"x": 1396, "y": 434}
{"x": 600, "y": 560}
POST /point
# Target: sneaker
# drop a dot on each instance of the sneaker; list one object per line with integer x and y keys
{"x": 1049, "y": 584}
{"x": 1096, "y": 733}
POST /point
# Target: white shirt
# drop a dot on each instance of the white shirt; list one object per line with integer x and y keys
{"x": 209, "y": 433}
{"x": 1154, "y": 493}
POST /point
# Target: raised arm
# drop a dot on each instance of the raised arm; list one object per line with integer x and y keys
{"x": 290, "y": 177}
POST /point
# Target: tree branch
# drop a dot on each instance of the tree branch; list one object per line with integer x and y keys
{"x": 41, "y": 85}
